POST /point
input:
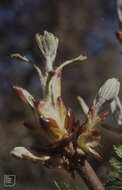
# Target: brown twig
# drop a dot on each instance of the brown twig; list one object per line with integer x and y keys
{"x": 89, "y": 176}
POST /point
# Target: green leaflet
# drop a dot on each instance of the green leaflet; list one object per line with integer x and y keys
{"x": 115, "y": 176}
{"x": 118, "y": 151}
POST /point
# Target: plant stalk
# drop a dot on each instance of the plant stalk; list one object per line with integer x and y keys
{"x": 89, "y": 176}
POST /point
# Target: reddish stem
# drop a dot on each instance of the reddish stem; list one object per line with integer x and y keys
{"x": 90, "y": 177}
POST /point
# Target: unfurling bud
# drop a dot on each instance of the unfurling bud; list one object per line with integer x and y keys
{"x": 23, "y": 153}
{"x": 83, "y": 105}
{"x": 116, "y": 109}
{"x": 89, "y": 138}
{"x": 48, "y": 45}
{"x": 108, "y": 91}
{"x": 119, "y": 13}
{"x": 119, "y": 10}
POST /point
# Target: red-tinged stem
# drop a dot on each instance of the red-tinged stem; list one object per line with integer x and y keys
{"x": 87, "y": 173}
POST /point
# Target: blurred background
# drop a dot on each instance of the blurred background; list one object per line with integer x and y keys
{"x": 83, "y": 27}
